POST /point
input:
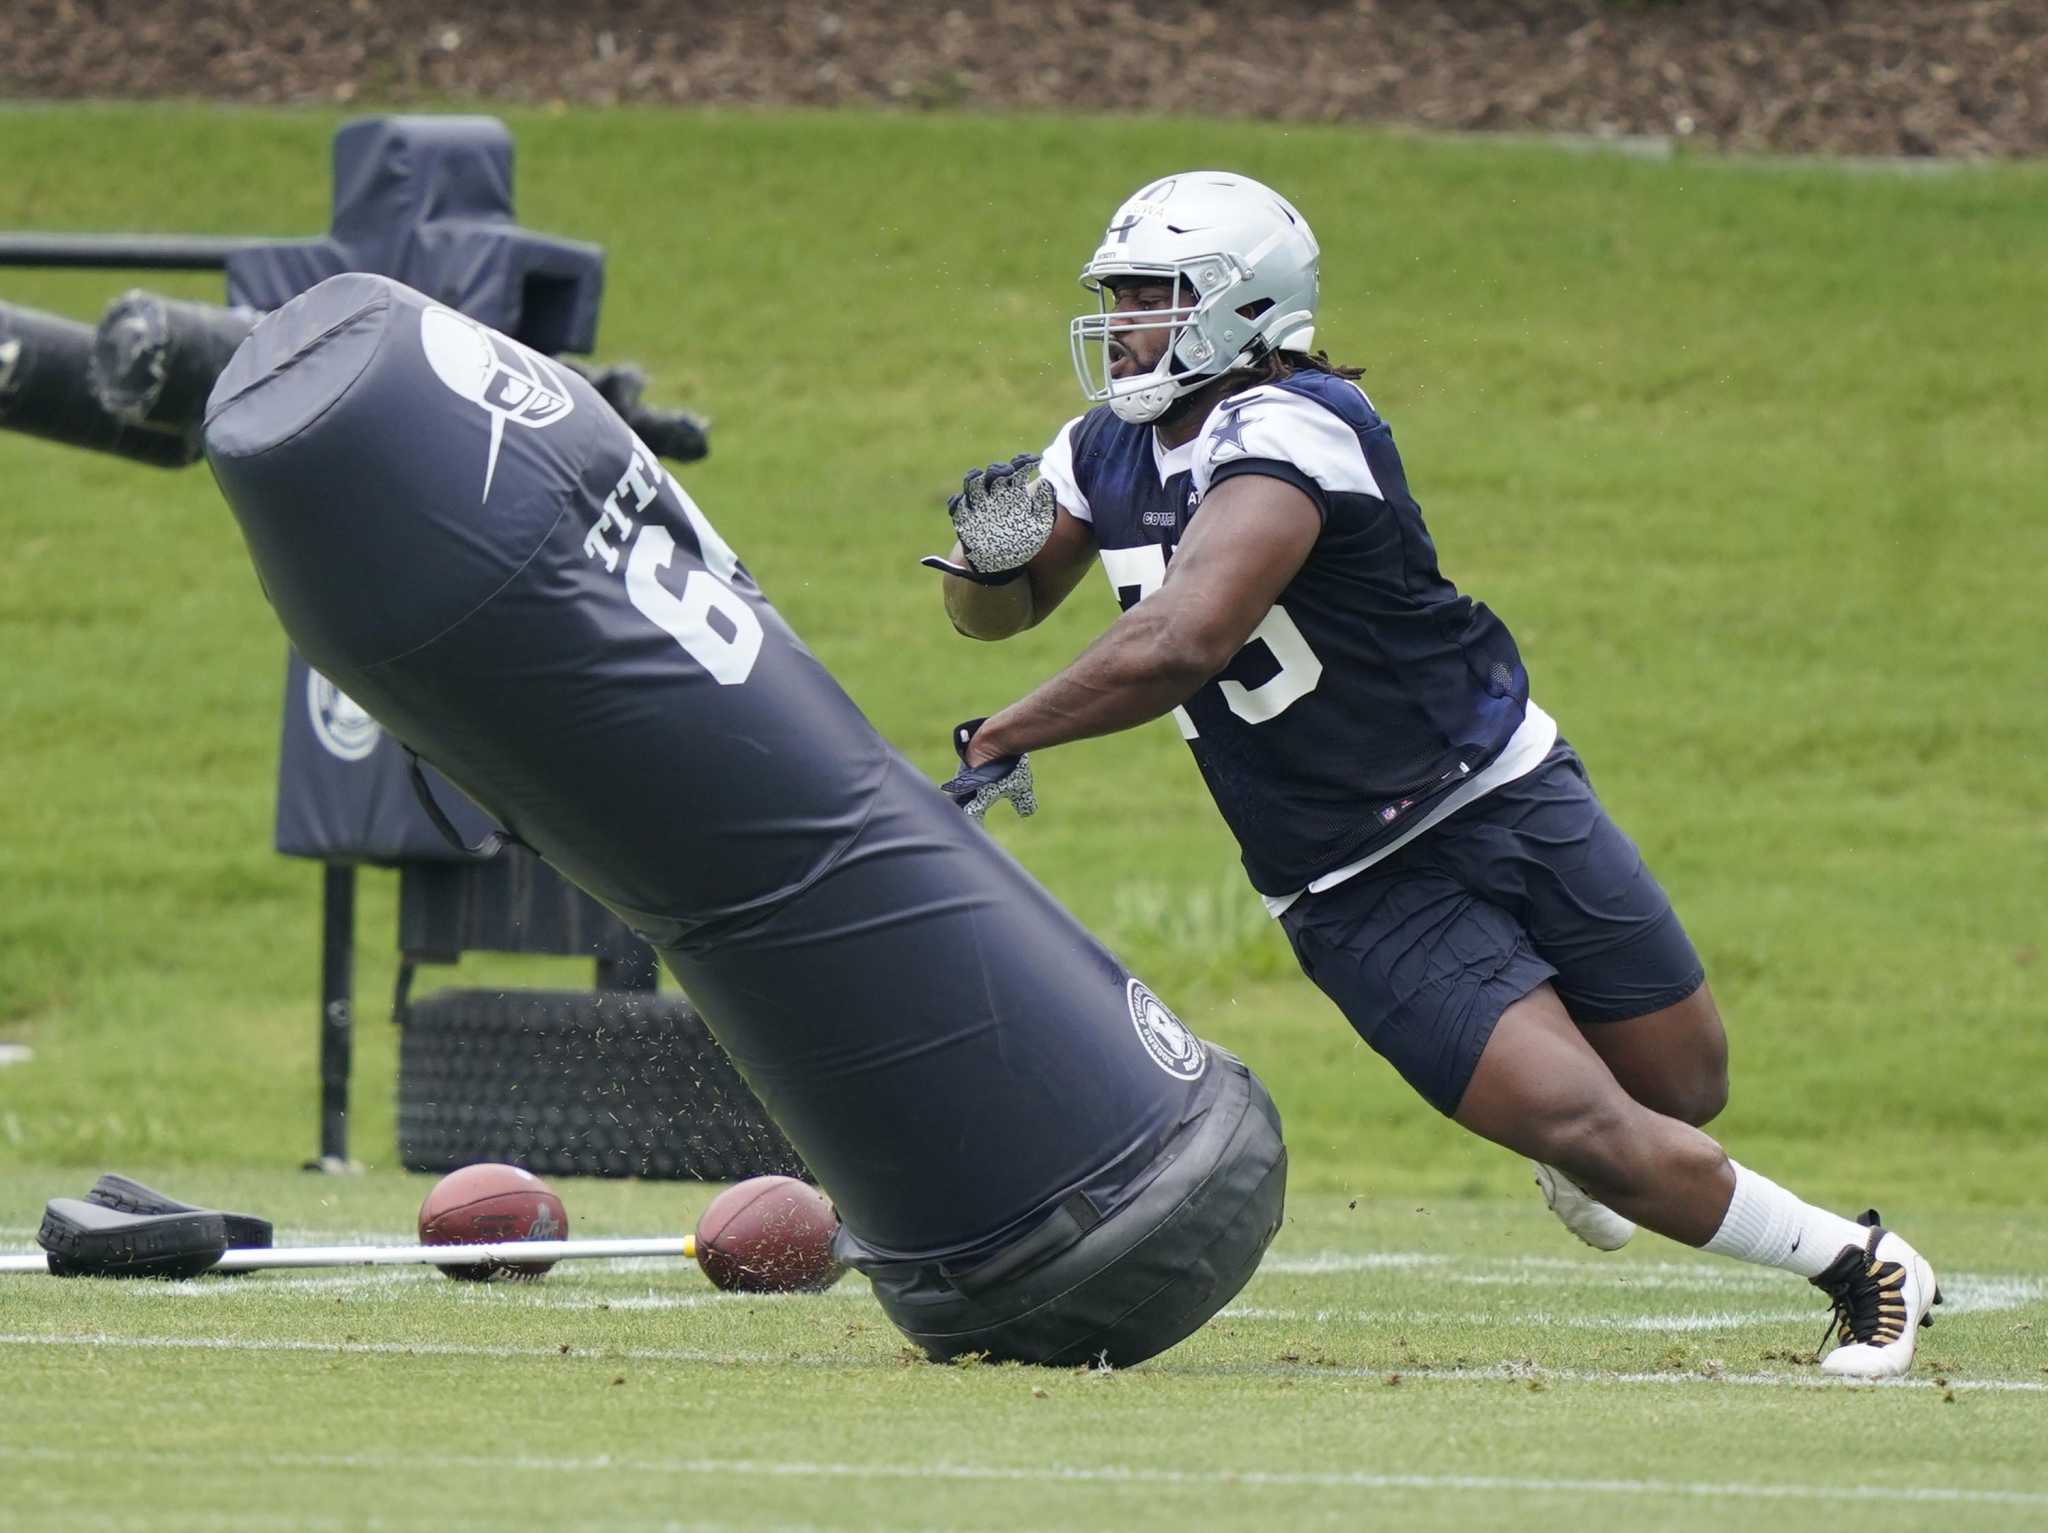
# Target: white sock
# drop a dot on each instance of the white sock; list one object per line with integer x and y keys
{"x": 1765, "y": 1224}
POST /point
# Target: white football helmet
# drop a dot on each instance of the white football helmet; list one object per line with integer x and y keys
{"x": 1238, "y": 245}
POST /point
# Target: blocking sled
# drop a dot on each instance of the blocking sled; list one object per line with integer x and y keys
{"x": 1031, "y": 1156}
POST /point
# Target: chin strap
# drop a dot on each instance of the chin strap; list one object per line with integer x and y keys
{"x": 1140, "y": 407}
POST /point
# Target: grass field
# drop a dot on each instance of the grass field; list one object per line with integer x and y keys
{"x": 1440, "y": 1366}
{"x": 1747, "y": 455}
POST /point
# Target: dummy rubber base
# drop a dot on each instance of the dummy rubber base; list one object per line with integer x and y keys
{"x": 1118, "y": 1291}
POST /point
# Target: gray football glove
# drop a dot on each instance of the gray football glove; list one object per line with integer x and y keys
{"x": 1002, "y": 516}
{"x": 975, "y": 788}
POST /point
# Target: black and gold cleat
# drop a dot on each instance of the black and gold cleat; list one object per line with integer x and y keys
{"x": 1883, "y": 1292}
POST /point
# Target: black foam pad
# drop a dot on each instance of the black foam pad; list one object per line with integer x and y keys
{"x": 85, "y": 1240}
{"x": 128, "y": 1196}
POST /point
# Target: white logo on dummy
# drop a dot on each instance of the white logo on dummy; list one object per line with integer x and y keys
{"x": 340, "y": 723}
{"x": 1173, "y": 1048}
{"x": 508, "y": 381}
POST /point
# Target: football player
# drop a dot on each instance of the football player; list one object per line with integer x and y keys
{"x": 1429, "y": 842}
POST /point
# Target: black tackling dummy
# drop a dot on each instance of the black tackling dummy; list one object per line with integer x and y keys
{"x": 1030, "y": 1155}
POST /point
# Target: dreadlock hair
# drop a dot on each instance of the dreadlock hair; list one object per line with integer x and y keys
{"x": 1276, "y": 365}
{"x": 1270, "y": 368}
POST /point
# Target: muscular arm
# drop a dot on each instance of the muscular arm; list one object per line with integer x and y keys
{"x": 1249, "y": 540}
{"x": 997, "y": 612}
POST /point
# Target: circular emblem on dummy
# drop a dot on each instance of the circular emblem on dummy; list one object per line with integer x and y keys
{"x": 340, "y": 725}
{"x": 1173, "y": 1048}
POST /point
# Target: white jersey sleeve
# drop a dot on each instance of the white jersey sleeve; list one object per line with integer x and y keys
{"x": 1056, "y": 467}
{"x": 1280, "y": 426}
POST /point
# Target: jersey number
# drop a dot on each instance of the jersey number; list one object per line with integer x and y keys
{"x": 728, "y": 656}
{"x": 1144, "y": 570}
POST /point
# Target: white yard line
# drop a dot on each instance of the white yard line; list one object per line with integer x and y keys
{"x": 339, "y": 1280}
{"x": 1500, "y": 1372}
{"x": 1322, "y": 1262}
{"x": 1965, "y": 1293}
{"x": 520, "y": 1297}
{"x": 389, "y": 1348}
{"x": 386, "y": 1522}
{"x": 1114, "y": 1475}
{"x": 1496, "y": 1374}
{"x": 1529, "y": 1320}
{"x": 1547, "y": 1270}
{"x": 1962, "y": 1291}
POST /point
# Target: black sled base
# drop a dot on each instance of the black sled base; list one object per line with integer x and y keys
{"x": 1115, "y": 1291}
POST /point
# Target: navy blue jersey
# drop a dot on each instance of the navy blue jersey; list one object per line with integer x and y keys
{"x": 1372, "y": 689}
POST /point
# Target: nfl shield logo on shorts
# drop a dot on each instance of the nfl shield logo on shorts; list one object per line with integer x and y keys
{"x": 1173, "y": 1048}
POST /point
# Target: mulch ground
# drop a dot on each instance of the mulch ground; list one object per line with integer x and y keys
{"x": 1959, "y": 78}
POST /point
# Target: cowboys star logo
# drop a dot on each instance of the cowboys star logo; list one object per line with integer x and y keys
{"x": 1228, "y": 437}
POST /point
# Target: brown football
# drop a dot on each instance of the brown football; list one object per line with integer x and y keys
{"x": 492, "y": 1202}
{"x": 769, "y": 1234}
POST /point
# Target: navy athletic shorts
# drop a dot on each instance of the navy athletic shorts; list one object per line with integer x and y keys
{"x": 1426, "y": 948}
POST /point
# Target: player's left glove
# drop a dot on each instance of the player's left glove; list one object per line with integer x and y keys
{"x": 975, "y": 788}
{"x": 1002, "y": 517}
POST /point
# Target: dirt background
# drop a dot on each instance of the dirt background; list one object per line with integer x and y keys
{"x": 1957, "y": 78}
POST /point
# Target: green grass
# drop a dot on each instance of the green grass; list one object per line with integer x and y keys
{"x": 1743, "y": 453}
{"x": 1438, "y": 1366}
{"x": 1747, "y": 455}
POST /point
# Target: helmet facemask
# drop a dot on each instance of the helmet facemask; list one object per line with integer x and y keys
{"x": 1198, "y": 336}
{"x": 1232, "y": 305}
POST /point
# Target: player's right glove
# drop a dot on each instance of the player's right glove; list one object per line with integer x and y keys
{"x": 1002, "y": 517}
{"x": 975, "y": 788}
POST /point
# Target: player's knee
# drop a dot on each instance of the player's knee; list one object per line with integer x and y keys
{"x": 1704, "y": 1096}
{"x": 1689, "y": 1081}
{"x": 1705, "y": 1092}
{"x": 1696, "y": 1097}
{"x": 1595, "y": 1145}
